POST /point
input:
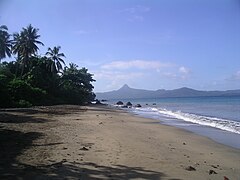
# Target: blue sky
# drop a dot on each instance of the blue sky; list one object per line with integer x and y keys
{"x": 147, "y": 44}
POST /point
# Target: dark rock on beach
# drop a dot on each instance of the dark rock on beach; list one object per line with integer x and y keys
{"x": 190, "y": 168}
{"x": 212, "y": 172}
{"x": 84, "y": 148}
{"x": 129, "y": 104}
{"x": 119, "y": 103}
{"x": 138, "y": 105}
{"x": 98, "y": 102}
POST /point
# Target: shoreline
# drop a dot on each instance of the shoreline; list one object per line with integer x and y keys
{"x": 98, "y": 142}
{"x": 217, "y": 135}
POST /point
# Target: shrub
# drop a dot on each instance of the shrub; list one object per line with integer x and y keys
{"x": 23, "y": 104}
{"x": 21, "y": 91}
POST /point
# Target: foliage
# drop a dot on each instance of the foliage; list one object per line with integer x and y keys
{"x": 25, "y": 45}
{"x": 39, "y": 80}
{"x": 5, "y": 42}
{"x": 77, "y": 83}
{"x": 55, "y": 59}
{"x": 21, "y": 90}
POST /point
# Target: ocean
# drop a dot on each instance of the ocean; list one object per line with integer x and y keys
{"x": 217, "y": 118}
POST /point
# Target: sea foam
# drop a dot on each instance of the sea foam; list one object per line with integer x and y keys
{"x": 223, "y": 124}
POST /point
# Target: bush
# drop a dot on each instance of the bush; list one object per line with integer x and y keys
{"x": 23, "y": 104}
{"x": 4, "y": 94}
{"x": 23, "y": 93}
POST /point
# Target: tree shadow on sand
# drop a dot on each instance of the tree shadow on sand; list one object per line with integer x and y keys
{"x": 50, "y": 110}
{"x": 12, "y": 144}
{"x": 67, "y": 170}
{"x": 20, "y": 118}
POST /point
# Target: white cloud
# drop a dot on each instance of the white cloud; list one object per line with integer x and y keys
{"x": 184, "y": 70}
{"x": 138, "y": 64}
{"x": 114, "y": 80}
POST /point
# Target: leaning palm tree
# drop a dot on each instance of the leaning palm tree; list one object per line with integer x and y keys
{"x": 5, "y": 43}
{"x": 55, "y": 58}
{"x": 25, "y": 45}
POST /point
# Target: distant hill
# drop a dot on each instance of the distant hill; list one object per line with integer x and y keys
{"x": 126, "y": 92}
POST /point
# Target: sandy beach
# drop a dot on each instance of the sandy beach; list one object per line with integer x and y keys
{"x": 97, "y": 142}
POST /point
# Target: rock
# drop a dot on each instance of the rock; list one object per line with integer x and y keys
{"x": 154, "y": 104}
{"x": 138, "y": 105}
{"x": 184, "y": 143}
{"x": 98, "y": 102}
{"x": 84, "y": 148}
{"x": 212, "y": 172}
{"x": 129, "y": 104}
{"x": 214, "y": 166}
{"x": 119, "y": 103}
{"x": 190, "y": 168}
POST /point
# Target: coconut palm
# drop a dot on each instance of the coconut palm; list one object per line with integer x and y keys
{"x": 55, "y": 58}
{"x": 25, "y": 45}
{"x": 5, "y": 43}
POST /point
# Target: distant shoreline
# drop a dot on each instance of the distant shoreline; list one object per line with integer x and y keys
{"x": 127, "y": 92}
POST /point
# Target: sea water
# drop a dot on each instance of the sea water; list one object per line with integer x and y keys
{"x": 215, "y": 117}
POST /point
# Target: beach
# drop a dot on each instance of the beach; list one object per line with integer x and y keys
{"x": 99, "y": 142}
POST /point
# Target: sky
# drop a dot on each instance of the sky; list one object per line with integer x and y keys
{"x": 147, "y": 44}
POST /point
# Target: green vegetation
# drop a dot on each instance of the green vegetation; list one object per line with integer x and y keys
{"x": 39, "y": 80}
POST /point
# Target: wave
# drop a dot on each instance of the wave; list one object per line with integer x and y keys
{"x": 223, "y": 124}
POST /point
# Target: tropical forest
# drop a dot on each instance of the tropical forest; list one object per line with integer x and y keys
{"x": 33, "y": 80}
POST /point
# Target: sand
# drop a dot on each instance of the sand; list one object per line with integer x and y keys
{"x": 97, "y": 142}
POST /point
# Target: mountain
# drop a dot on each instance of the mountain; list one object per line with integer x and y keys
{"x": 126, "y": 92}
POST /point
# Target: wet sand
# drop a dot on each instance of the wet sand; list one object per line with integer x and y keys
{"x": 96, "y": 142}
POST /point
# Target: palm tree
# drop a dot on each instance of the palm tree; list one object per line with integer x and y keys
{"x": 25, "y": 45}
{"x": 5, "y": 42}
{"x": 55, "y": 58}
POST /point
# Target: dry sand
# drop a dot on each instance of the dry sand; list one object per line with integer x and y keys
{"x": 73, "y": 142}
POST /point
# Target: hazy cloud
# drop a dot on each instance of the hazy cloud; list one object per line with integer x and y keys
{"x": 114, "y": 79}
{"x": 177, "y": 73}
{"x": 136, "y": 13}
{"x": 112, "y": 75}
{"x": 235, "y": 76}
{"x": 137, "y": 9}
{"x": 82, "y": 32}
{"x": 117, "y": 73}
{"x": 138, "y": 64}
{"x": 170, "y": 75}
{"x": 184, "y": 72}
